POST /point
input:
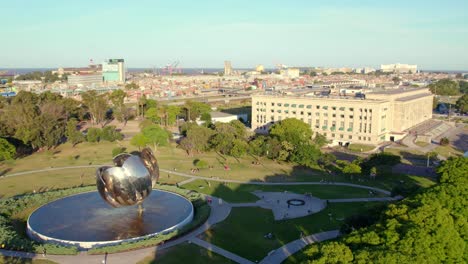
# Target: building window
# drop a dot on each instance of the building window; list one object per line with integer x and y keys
{"x": 272, "y": 110}
{"x": 342, "y": 108}
{"x": 324, "y": 134}
{"x": 325, "y": 107}
{"x": 301, "y": 106}
{"x": 310, "y": 122}
{"x": 309, "y": 107}
{"x": 293, "y": 112}
{"x": 333, "y": 135}
{"x": 350, "y": 137}
{"x": 318, "y": 106}
{"x": 351, "y": 116}
{"x": 279, "y": 111}
{"x": 325, "y": 114}
{"x": 333, "y": 108}
{"x": 333, "y": 115}
{"x": 286, "y": 105}
{"x": 309, "y": 113}
{"x": 272, "y": 118}
{"x": 341, "y": 136}
{"x": 279, "y": 104}
{"x": 317, "y": 114}
{"x": 293, "y": 105}
{"x": 286, "y": 111}
{"x": 342, "y": 116}
{"x": 302, "y": 112}
{"x": 351, "y": 109}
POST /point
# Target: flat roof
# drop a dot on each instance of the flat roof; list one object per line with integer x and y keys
{"x": 216, "y": 114}
{"x": 412, "y": 97}
{"x": 399, "y": 90}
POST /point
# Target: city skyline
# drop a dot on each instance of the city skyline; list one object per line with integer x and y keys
{"x": 203, "y": 35}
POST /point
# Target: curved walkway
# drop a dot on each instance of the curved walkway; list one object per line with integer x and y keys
{"x": 279, "y": 255}
{"x": 215, "y": 179}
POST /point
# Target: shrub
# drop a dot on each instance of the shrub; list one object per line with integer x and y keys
{"x": 117, "y": 151}
{"x": 201, "y": 164}
{"x": 444, "y": 141}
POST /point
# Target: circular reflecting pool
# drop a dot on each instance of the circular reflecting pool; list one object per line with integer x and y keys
{"x": 86, "y": 220}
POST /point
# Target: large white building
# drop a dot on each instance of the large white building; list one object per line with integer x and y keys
{"x": 113, "y": 70}
{"x": 373, "y": 119}
{"x": 84, "y": 79}
{"x": 399, "y": 68}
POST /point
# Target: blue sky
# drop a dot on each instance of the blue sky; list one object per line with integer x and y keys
{"x": 52, "y": 33}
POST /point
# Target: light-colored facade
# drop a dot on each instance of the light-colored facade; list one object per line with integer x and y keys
{"x": 227, "y": 68}
{"x": 399, "y": 68}
{"x": 290, "y": 73}
{"x": 379, "y": 117}
{"x": 84, "y": 79}
{"x": 113, "y": 70}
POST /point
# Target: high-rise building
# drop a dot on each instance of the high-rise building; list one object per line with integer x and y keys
{"x": 227, "y": 68}
{"x": 84, "y": 79}
{"x": 113, "y": 70}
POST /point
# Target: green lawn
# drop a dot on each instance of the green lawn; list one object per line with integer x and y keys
{"x": 243, "y": 231}
{"x": 12, "y": 260}
{"x": 409, "y": 156}
{"x": 360, "y": 147}
{"x": 239, "y": 193}
{"x": 421, "y": 143}
{"x": 185, "y": 253}
{"x": 448, "y": 151}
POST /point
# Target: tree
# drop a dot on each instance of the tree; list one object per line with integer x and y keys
{"x": 93, "y": 135}
{"x": 206, "y": 117}
{"x": 463, "y": 85}
{"x": 305, "y": 155}
{"x": 445, "y": 87}
{"x": 155, "y": 135}
{"x": 195, "y": 109}
{"x": 199, "y": 137}
{"x": 172, "y": 114}
{"x": 292, "y": 130}
{"x": 462, "y": 104}
{"x": 139, "y": 140}
{"x": 352, "y": 169}
{"x": 320, "y": 140}
{"x": 153, "y": 115}
{"x": 257, "y": 146}
{"x": 118, "y": 150}
{"x": 96, "y": 104}
{"x": 396, "y": 80}
{"x": 444, "y": 141}
{"x": 132, "y": 86}
{"x": 73, "y": 135}
{"x": 7, "y": 150}
{"x": 435, "y": 102}
{"x": 120, "y": 111}
{"x": 109, "y": 133}
{"x": 239, "y": 148}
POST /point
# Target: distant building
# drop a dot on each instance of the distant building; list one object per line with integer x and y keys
{"x": 290, "y": 73}
{"x": 227, "y": 68}
{"x": 84, "y": 79}
{"x": 370, "y": 119}
{"x": 113, "y": 70}
{"x": 260, "y": 68}
{"x": 224, "y": 117}
{"x": 91, "y": 69}
{"x": 399, "y": 68}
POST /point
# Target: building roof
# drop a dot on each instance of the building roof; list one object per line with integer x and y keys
{"x": 400, "y": 90}
{"x": 217, "y": 114}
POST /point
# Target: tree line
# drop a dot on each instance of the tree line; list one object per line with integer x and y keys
{"x": 428, "y": 227}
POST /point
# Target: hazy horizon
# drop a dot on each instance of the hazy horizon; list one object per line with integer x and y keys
{"x": 147, "y": 34}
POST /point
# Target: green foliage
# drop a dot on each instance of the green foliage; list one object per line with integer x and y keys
{"x": 444, "y": 141}
{"x": 7, "y": 150}
{"x": 463, "y": 86}
{"x": 206, "y": 117}
{"x": 153, "y": 115}
{"x": 109, "y": 133}
{"x": 195, "y": 109}
{"x": 132, "y": 86}
{"x": 38, "y": 120}
{"x": 155, "y": 135}
{"x": 47, "y": 76}
{"x": 445, "y": 87}
{"x": 292, "y": 130}
{"x": 352, "y": 169}
{"x": 73, "y": 135}
{"x": 258, "y": 146}
{"x": 120, "y": 111}
{"x": 305, "y": 155}
{"x": 201, "y": 164}
{"x": 96, "y": 104}
{"x": 429, "y": 227}
{"x": 380, "y": 159}
{"x": 462, "y": 104}
{"x": 139, "y": 140}
{"x": 93, "y": 135}
{"x": 118, "y": 150}
{"x": 320, "y": 140}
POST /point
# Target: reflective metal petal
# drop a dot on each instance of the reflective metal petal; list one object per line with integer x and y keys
{"x": 130, "y": 181}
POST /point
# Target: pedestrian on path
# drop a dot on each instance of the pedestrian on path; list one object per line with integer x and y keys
{"x": 44, "y": 252}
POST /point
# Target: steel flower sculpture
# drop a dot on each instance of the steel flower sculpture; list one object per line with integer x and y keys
{"x": 130, "y": 181}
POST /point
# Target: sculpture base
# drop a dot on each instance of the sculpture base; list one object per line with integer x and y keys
{"x": 86, "y": 221}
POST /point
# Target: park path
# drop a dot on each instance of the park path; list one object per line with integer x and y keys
{"x": 214, "y": 179}
{"x": 220, "y": 251}
{"x": 376, "y": 199}
{"x": 279, "y": 255}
